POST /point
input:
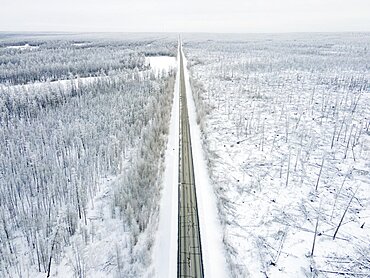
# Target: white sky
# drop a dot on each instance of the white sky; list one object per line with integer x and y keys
{"x": 185, "y": 16}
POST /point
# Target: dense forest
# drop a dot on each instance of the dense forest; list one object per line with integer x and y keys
{"x": 80, "y": 157}
{"x": 28, "y": 61}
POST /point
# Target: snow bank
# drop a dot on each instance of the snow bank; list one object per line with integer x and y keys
{"x": 165, "y": 249}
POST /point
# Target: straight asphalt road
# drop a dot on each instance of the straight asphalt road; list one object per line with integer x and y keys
{"x": 189, "y": 254}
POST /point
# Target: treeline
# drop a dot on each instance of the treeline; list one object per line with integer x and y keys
{"x": 55, "y": 60}
{"x": 26, "y": 66}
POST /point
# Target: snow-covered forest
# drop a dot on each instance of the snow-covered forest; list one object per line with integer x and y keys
{"x": 84, "y": 123}
{"x": 286, "y": 129}
{"x": 54, "y": 58}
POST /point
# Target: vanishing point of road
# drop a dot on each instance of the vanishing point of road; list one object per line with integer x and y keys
{"x": 189, "y": 252}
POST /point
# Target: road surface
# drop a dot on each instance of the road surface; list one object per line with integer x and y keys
{"x": 189, "y": 252}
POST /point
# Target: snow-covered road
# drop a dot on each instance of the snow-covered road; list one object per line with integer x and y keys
{"x": 165, "y": 250}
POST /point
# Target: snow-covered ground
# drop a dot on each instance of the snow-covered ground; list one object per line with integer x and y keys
{"x": 22, "y": 47}
{"x": 161, "y": 63}
{"x": 107, "y": 240}
{"x": 287, "y": 136}
{"x": 81, "y": 44}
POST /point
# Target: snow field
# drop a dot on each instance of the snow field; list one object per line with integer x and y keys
{"x": 161, "y": 63}
{"x": 286, "y": 134}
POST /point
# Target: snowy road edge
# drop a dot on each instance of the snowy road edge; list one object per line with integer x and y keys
{"x": 165, "y": 247}
{"x": 214, "y": 261}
